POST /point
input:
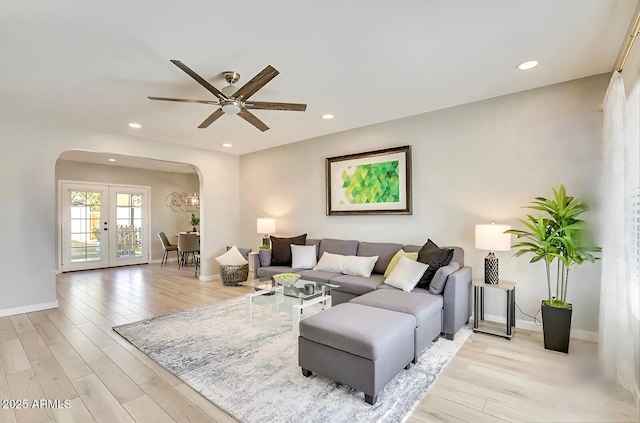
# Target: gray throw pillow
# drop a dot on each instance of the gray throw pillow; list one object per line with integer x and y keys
{"x": 439, "y": 279}
{"x": 244, "y": 251}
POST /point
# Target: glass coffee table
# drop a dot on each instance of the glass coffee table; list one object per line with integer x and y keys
{"x": 294, "y": 296}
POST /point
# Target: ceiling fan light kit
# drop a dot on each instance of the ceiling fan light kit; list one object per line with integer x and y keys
{"x": 232, "y": 101}
{"x": 231, "y": 107}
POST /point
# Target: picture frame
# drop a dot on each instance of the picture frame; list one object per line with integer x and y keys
{"x": 373, "y": 182}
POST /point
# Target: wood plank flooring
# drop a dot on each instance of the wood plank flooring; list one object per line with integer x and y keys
{"x": 70, "y": 354}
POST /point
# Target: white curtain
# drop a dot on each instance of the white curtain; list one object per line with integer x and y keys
{"x": 619, "y": 329}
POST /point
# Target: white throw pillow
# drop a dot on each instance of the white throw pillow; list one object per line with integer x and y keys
{"x": 330, "y": 263}
{"x": 394, "y": 261}
{"x": 406, "y": 274}
{"x": 233, "y": 257}
{"x": 358, "y": 266}
{"x": 303, "y": 256}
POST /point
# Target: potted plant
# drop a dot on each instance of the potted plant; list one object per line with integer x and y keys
{"x": 195, "y": 221}
{"x": 555, "y": 235}
{"x": 264, "y": 253}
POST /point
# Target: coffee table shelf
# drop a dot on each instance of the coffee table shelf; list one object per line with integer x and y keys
{"x": 267, "y": 286}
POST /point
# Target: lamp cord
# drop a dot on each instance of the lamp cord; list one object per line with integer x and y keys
{"x": 534, "y": 317}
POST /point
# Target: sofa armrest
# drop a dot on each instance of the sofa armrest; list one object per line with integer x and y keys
{"x": 254, "y": 263}
{"x": 457, "y": 301}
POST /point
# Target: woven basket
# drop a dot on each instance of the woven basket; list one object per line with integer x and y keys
{"x": 232, "y": 275}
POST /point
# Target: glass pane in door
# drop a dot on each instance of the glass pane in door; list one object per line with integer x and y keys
{"x": 129, "y": 225}
{"x": 85, "y": 226}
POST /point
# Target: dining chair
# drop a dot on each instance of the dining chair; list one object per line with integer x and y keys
{"x": 187, "y": 244}
{"x": 167, "y": 246}
{"x": 196, "y": 259}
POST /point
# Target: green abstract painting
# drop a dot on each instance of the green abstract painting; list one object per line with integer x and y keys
{"x": 372, "y": 183}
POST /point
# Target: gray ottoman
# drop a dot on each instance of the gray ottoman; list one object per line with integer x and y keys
{"x": 426, "y": 308}
{"x": 360, "y": 346}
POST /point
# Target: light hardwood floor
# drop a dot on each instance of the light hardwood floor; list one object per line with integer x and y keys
{"x": 71, "y": 353}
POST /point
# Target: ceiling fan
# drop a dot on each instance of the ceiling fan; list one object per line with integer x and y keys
{"x": 235, "y": 101}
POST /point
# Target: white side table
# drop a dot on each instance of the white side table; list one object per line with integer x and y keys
{"x": 478, "y": 305}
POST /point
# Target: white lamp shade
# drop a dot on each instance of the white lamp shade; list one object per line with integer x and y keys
{"x": 266, "y": 225}
{"x": 492, "y": 237}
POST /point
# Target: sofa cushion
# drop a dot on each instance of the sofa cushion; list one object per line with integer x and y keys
{"x": 423, "y": 307}
{"x": 435, "y": 257}
{"x": 384, "y": 250}
{"x": 358, "y": 285}
{"x": 338, "y": 246}
{"x": 316, "y": 242}
{"x": 274, "y": 270}
{"x": 317, "y": 275}
{"x": 406, "y": 274}
{"x": 281, "y": 249}
{"x": 440, "y": 278}
{"x": 364, "y": 331}
{"x": 421, "y": 291}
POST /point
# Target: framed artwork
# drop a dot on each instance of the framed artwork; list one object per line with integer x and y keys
{"x": 375, "y": 182}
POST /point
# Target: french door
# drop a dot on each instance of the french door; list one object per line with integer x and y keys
{"x": 103, "y": 225}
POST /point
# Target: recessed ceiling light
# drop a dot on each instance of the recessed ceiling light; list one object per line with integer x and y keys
{"x": 111, "y": 160}
{"x": 327, "y": 116}
{"x": 528, "y": 65}
{"x": 226, "y": 145}
{"x": 135, "y": 125}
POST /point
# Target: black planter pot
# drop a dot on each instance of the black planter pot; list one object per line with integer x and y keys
{"x": 556, "y": 325}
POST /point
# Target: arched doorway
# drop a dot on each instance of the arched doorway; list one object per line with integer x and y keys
{"x": 111, "y": 208}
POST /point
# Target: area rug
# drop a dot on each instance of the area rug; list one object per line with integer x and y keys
{"x": 250, "y": 369}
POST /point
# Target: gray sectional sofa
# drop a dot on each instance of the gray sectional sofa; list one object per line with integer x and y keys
{"x": 454, "y": 303}
{"x": 374, "y": 330}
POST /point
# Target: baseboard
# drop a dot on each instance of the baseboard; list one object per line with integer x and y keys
{"x": 28, "y": 309}
{"x": 528, "y": 325}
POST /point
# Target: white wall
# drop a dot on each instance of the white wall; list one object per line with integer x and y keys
{"x": 472, "y": 164}
{"x": 161, "y": 184}
{"x": 30, "y": 148}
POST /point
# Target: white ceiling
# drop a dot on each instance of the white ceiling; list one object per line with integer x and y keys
{"x": 93, "y": 64}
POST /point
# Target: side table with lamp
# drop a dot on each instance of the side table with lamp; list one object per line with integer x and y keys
{"x": 492, "y": 238}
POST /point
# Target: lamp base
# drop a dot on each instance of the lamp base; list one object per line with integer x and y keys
{"x": 491, "y": 269}
{"x": 266, "y": 240}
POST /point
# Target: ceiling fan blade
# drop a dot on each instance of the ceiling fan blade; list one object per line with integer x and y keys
{"x": 256, "y": 83}
{"x": 212, "y": 117}
{"x": 252, "y": 119}
{"x": 183, "y": 100}
{"x": 269, "y": 105}
{"x": 199, "y": 79}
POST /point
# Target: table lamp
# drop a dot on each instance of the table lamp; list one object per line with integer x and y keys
{"x": 492, "y": 238}
{"x": 266, "y": 226}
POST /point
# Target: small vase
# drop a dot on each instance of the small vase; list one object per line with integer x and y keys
{"x": 195, "y": 229}
{"x": 265, "y": 257}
